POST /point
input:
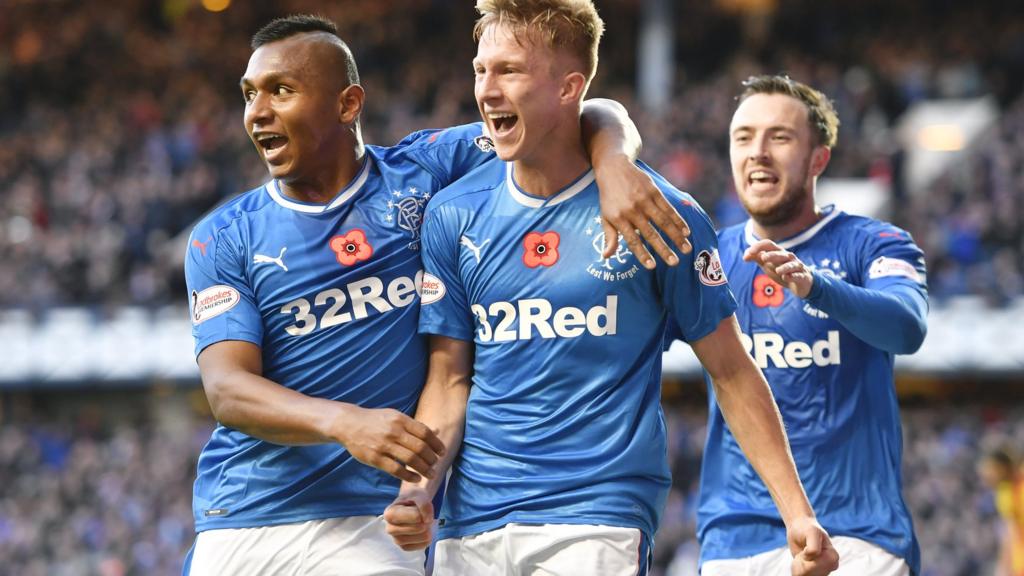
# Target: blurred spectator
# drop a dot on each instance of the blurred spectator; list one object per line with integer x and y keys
{"x": 999, "y": 472}
{"x": 121, "y": 121}
{"x": 113, "y": 498}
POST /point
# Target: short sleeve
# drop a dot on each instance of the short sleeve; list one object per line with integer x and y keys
{"x": 444, "y": 306}
{"x": 696, "y": 291}
{"x": 451, "y": 153}
{"x": 221, "y": 302}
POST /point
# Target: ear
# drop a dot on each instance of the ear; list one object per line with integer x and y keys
{"x": 574, "y": 86}
{"x": 819, "y": 159}
{"x": 350, "y": 103}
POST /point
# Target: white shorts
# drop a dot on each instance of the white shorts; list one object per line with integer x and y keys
{"x": 856, "y": 558}
{"x": 545, "y": 550}
{"x": 356, "y": 546}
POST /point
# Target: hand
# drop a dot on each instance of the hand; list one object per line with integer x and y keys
{"x": 391, "y": 441}
{"x": 813, "y": 554}
{"x": 632, "y": 205}
{"x": 781, "y": 266}
{"x": 410, "y": 519}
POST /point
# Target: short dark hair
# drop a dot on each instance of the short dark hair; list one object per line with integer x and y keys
{"x": 820, "y": 112}
{"x": 288, "y": 26}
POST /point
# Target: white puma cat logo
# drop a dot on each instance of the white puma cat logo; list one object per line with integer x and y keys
{"x": 262, "y": 259}
{"x": 472, "y": 247}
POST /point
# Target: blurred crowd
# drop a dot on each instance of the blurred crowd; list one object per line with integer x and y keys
{"x": 96, "y": 501}
{"x": 121, "y": 120}
{"x": 954, "y": 513}
{"x": 101, "y": 499}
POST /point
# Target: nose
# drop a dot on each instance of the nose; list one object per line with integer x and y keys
{"x": 486, "y": 88}
{"x": 257, "y": 110}
{"x": 758, "y": 149}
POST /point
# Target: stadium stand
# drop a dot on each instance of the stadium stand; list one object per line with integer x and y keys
{"x": 121, "y": 124}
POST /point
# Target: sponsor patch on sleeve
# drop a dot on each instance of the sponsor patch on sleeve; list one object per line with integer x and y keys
{"x": 213, "y": 302}
{"x": 883, "y": 267}
{"x": 709, "y": 268}
{"x": 484, "y": 143}
{"x": 433, "y": 289}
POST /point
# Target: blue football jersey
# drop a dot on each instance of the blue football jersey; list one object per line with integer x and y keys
{"x": 330, "y": 294}
{"x": 564, "y": 422}
{"x": 835, "y": 392}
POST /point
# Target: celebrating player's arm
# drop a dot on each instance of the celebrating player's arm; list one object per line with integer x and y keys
{"x": 631, "y": 204}
{"x": 229, "y": 329}
{"x": 893, "y": 288}
{"x": 753, "y": 417}
{"x": 442, "y": 406}
{"x": 743, "y": 393}
{"x": 241, "y": 398}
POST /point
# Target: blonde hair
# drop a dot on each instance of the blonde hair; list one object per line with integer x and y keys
{"x": 560, "y": 24}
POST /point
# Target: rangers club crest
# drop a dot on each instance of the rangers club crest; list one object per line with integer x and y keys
{"x": 405, "y": 210}
{"x": 619, "y": 266}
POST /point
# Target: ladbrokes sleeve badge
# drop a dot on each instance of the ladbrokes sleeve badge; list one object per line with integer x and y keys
{"x": 709, "y": 268}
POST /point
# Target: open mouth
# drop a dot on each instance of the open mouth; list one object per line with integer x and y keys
{"x": 270, "y": 143}
{"x": 503, "y": 122}
{"x": 762, "y": 177}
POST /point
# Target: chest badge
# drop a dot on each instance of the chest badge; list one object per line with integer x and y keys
{"x": 351, "y": 247}
{"x": 767, "y": 292}
{"x": 405, "y": 210}
{"x": 540, "y": 249}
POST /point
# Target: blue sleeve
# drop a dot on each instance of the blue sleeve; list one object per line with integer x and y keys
{"x": 444, "y": 306}
{"x": 695, "y": 291}
{"x": 221, "y": 302}
{"x": 890, "y": 310}
{"x": 451, "y": 153}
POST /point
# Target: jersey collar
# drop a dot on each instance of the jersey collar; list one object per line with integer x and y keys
{"x": 830, "y": 214}
{"x": 535, "y": 202}
{"x": 274, "y": 189}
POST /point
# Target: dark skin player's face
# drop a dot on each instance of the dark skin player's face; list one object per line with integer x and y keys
{"x": 293, "y": 113}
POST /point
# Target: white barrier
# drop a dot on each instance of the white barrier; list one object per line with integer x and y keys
{"x": 71, "y": 345}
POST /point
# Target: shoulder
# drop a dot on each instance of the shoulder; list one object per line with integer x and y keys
{"x": 869, "y": 233}
{"x": 423, "y": 140}
{"x": 688, "y": 207}
{"x": 732, "y": 233}
{"x": 472, "y": 190}
{"x": 868, "y": 228}
{"x": 226, "y": 215}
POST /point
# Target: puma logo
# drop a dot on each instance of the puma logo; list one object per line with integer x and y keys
{"x": 201, "y": 245}
{"x": 472, "y": 247}
{"x": 262, "y": 259}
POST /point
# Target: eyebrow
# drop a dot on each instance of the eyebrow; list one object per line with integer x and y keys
{"x": 269, "y": 77}
{"x": 773, "y": 128}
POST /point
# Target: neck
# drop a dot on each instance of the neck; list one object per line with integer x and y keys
{"x": 326, "y": 182}
{"x": 554, "y": 165}
{"x": 807, "y": 217}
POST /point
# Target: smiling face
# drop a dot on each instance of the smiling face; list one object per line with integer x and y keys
{"x": 775, "y": 158}
{"x": 293, "y": 115}
{"x": 525, "y": 91}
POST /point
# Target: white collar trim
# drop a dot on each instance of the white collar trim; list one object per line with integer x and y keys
{"x": 800, "y": 238}
{"x": 534, "y": 202}
{"x": 274, "y": 189}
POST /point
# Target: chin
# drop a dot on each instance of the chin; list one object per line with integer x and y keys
{"x": 506, "y": 153}
{"x": 277, "y": 171}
